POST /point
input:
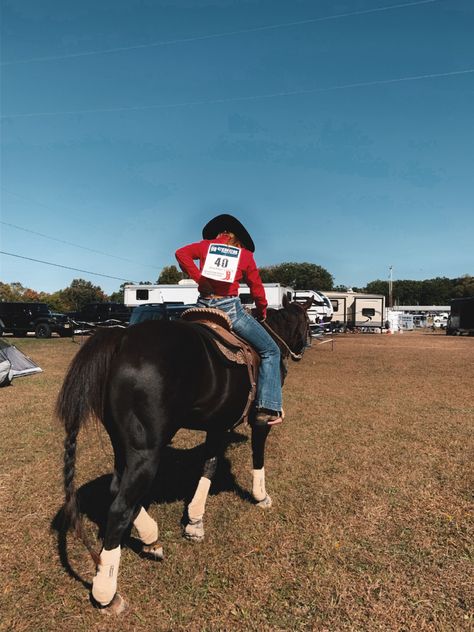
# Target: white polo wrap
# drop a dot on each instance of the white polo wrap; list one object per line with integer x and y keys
{"x": 258, "y": 488}
{"x": 198, "y": 504}
{"x": 104, "y": 584}
{"x": 146, "y": 527}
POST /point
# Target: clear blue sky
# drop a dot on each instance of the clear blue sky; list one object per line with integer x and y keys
{"x": 127, "y": 124}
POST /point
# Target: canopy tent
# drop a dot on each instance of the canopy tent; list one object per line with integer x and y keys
{"x": 14, "y": 363}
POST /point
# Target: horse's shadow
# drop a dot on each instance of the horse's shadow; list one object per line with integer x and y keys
{"x": 176, "y": 480}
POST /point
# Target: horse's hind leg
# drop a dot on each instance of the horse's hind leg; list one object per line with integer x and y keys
{"x": 135, "y": 481}
{"x": 259, "y": 492}
{"x": 194, "y": 529}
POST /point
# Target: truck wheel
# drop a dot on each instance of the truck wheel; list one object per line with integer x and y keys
{"x": 43, "y": 330}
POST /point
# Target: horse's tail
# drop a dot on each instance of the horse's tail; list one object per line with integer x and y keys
{"x": 83, "y": 395}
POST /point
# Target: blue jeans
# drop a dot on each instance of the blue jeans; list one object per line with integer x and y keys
{"x": 245, "y": 326}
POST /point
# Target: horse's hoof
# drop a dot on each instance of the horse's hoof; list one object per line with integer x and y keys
{"x": 194, "y": 531}
{"x": 266, "y": 503}
{"x": 116, "y": 607}
{"x": 153, "y": 551}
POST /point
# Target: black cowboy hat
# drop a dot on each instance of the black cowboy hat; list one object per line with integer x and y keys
{"x": 228, "y": 223}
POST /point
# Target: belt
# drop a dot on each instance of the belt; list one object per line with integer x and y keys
{"x": 219, "y": 296}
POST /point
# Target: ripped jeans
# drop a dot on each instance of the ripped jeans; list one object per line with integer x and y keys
{"x": 245, "y": 326}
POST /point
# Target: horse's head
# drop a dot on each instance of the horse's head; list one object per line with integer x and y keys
{"x": 291, "y": 324}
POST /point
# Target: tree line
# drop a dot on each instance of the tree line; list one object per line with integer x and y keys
{"x": 300, "y": 276}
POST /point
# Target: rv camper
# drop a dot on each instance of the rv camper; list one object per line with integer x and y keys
{"x": 185, "y": 292}
{"x": 357, "y": 310}
{"x": 321, "y": 310}
{"x": 461, "y": 319}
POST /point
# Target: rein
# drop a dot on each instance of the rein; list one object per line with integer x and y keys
{"x": 295, "y": 356}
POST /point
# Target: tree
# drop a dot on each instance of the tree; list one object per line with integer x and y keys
{"x": 299, "y": 276}
{"x": 170, "y": 275}
{"x": 79, "y": 293}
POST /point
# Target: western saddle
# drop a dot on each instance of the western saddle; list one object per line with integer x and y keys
{"x": 217, "y": 328}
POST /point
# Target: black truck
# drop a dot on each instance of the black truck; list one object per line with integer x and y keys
{"x": 103, "y": 314}
{"x": 461, "y": 318}
{"x": 20, "y": 318}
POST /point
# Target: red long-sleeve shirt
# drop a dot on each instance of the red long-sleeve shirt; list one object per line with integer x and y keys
{"x": 247, "y": 270}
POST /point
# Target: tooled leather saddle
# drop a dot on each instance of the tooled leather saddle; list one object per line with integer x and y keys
{"x": 217, "y": 327}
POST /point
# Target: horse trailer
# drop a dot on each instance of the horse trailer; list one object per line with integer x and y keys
{"x": 461, "y": 319}
{"x": 274, "y": 293}
{"x": 182, "y": 293}
{"x": 186, "y": 292}
{"x": 356, "y": 310}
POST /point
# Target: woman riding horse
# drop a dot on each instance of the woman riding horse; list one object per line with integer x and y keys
{"x": 225, "y": 257}
{"x": 144, "y": 383}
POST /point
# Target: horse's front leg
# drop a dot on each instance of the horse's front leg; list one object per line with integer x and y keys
{"x": 147, "y": 529}
{"x": 259, "y": 492}
{"x": 194, "y": 529}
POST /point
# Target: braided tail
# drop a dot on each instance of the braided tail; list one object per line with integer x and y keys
{"x": 83, "y": 395}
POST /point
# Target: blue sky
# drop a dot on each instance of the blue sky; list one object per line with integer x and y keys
{"x": 127, "y": 124}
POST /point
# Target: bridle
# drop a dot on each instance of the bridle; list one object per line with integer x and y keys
{"x": 295, "y": 356}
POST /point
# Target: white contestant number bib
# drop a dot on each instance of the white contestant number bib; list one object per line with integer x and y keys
{"x": 221, "y": 263}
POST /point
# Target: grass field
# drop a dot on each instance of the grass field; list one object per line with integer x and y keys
{"x": 371, "y": 528}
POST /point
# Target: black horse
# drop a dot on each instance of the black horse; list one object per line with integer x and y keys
{"x": 144, "y": 383}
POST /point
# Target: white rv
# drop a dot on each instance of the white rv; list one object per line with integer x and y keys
{"x": 185, "y": 292}
{"x": 321, "y": 310}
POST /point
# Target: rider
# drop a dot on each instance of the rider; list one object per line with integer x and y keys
{"x": 225, "y": 258}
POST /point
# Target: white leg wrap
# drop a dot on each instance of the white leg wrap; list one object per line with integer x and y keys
{"x": 104, "y": 584}
{"x": 258, "y": 488}
{"x": 198, "y": 504}
{"x": 146, "y": 527}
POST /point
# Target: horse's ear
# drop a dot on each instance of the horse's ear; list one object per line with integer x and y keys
{"x": 308, "y": 303}
{"x": 285, "y": 301}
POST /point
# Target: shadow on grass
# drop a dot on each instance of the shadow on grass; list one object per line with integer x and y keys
{"x": 176, "y": 480}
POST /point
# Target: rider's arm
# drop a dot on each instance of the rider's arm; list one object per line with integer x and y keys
{"x": 257, "y": 290}
{"x": 186, "y": 256}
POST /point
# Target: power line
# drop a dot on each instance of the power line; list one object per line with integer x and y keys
{"x": 256, "y": 29}
{"x": 253, "y": 97}
{"x": 62, "y": 241}
{"x": 58, "y": 265}
{"x": 69, "y": 243}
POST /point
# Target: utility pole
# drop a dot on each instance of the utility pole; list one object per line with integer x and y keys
{"x": 390, "y": 287}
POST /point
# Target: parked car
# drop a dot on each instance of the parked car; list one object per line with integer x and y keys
{"x": 20, "y": 318}
{"x": 158, "y": 311}
{"x": 100, "y": 314}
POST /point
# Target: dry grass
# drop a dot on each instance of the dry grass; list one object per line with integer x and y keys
{"x": 371, "y": 528}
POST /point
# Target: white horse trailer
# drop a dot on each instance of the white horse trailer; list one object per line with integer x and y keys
{"x": 274, "y": 293}
{"x": 186, "y": 293}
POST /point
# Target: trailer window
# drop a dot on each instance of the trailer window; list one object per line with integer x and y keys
{"x": 246, "y": 299}
{"x": 335, "y": 304}
{"x": 288, "y": 296}
{"x": 142, "y": 295}
{"x": 368, "y": 311}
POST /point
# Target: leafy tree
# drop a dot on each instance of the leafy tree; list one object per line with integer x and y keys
{"x": 79, "y": 293}
{"x": 300, "y": 276}
{"x": 463, "y": 287}
{"x": 170, "y": 275}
